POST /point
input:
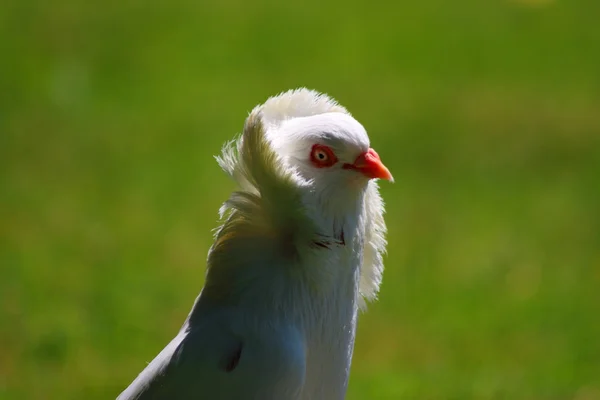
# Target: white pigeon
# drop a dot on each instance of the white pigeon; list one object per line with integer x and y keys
{"x": 298, "y": 253}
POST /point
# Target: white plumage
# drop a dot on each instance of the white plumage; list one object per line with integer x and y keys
{"x": 299, "y": 251}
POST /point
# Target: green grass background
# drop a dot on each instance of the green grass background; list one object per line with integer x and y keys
{"x": 487, "y": 113}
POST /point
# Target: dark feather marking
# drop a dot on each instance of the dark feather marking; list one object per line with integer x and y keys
{"x": 321, "y": 244}
{"x": 234, "y": 359}
{"x": 327, "y": 243}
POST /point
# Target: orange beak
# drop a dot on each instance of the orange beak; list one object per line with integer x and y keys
{"x": 370, "y": 165}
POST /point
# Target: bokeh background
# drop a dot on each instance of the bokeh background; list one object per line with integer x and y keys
{"x": 487, "y": 113}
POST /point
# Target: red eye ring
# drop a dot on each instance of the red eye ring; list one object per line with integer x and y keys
{"x": 322, "y": 156}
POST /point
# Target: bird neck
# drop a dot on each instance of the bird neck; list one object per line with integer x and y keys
{"x": 335, "y": 213}
{"x": 255, "y": 262}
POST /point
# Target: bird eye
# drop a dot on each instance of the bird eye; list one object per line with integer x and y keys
{"x": 322, "y": 156}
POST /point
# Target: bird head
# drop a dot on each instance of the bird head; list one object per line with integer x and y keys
{"x": 331, "y": 150}
{"x": 318, "y": 139}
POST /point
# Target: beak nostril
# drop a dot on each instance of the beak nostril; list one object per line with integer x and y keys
{"x": 372, "y": 153}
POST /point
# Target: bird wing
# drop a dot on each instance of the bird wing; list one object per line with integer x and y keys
{"x": 241, "y": 352}
{"x": 224, "y": 354}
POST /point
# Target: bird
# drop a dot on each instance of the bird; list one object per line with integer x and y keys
{"x": 298, "y": 254}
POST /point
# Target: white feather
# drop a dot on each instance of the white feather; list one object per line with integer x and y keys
{"x": 295, "y": 105}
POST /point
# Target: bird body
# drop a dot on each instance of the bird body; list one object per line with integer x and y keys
{"x": 299, "y": 251}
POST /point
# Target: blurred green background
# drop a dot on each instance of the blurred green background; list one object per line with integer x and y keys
{"x": 487, "y": 113}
